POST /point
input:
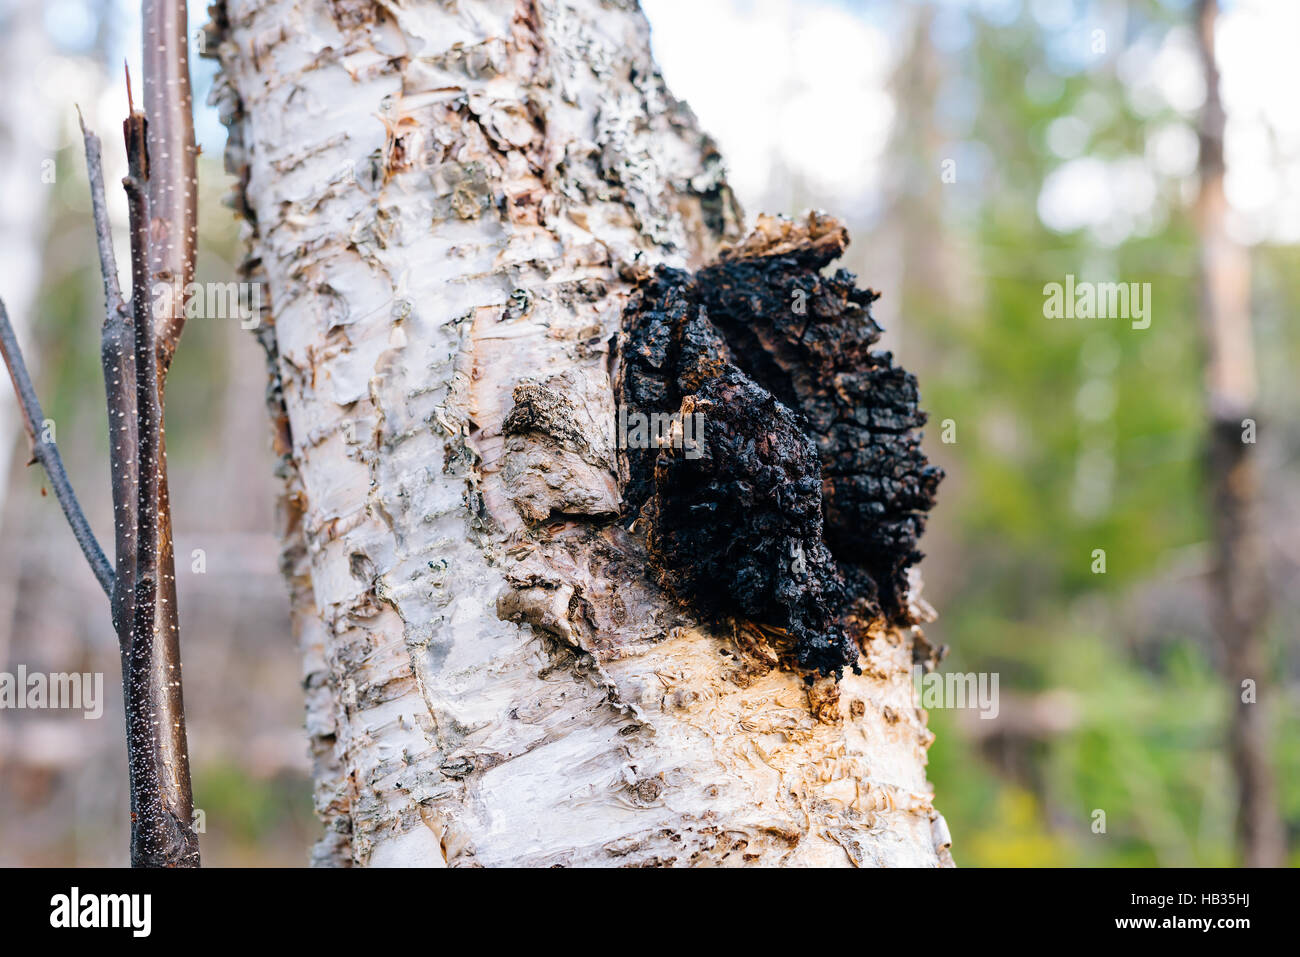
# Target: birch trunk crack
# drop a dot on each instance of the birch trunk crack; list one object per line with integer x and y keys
{"x": 448, "y": 201}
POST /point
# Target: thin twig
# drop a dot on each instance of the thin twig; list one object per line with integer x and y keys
{"x": 99, "y": 207}
{"x": 45, "y": 451}
{"x": 117, "y": 357}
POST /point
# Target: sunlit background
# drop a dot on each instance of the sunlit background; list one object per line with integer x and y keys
{"x": 977, "y": 150}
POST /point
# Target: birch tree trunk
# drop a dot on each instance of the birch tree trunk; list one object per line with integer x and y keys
{"x": 448, "y": 200}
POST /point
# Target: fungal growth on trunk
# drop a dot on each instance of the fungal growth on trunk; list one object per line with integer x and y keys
{"x": 802, "y": 503}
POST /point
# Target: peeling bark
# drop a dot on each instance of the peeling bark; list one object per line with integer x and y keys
{"x": 451, "y": 206}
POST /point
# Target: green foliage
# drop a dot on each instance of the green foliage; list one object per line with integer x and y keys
{"x": 1075, "y": 435}
{"x": 249, "y": 820}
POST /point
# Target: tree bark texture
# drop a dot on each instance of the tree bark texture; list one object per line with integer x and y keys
{"x": 448, "y": 202}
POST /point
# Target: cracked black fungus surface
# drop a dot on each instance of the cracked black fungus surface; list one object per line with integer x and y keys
{"x": 804, "y": 511}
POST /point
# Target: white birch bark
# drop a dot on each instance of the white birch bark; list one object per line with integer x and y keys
{"x": 448, "y": 200}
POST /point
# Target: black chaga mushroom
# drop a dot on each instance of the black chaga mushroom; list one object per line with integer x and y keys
{"x": 802, "y": 507}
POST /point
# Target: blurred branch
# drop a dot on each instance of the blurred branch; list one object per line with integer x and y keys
{"x": 45, "y": 451}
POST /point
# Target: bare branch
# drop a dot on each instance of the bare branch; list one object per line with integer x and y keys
{"x": 170, "y": 242}
{"x": 117, "y": 357}
{"x": 172, "y": 249}
{"x": 173, "y": 184}
{"x": 161, "y": 801}
{"x": 45, "y": 451}
{"x": 99, "y": 207}
{"x": 135, "y": 352}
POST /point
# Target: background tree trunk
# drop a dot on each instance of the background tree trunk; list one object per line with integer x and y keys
{"x": 446, "y": 201}
{"x": 1238, "y": 590}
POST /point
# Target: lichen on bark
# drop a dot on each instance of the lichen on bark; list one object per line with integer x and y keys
{"x": 804, "y": 509}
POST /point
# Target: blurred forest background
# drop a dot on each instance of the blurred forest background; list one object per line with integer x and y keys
{"x": 978, "y": 149}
